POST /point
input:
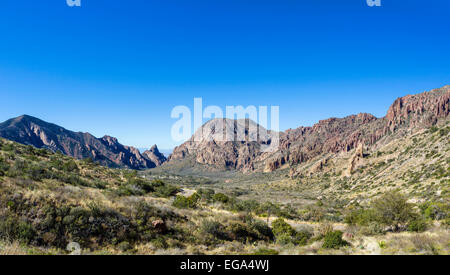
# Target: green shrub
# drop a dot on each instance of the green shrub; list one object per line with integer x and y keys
{"x": 434, "y": 129}
{"x": 206, "y": 194}
{"x": 301, "y": 237}
{"x": 333, "y": 240}
{"x": 164, "y": 190}
{"x": 284, "y": 239}
{"x": 219, "y": 197}
{"x": 264, "y": 231}
{"x": 393, "y": 209}
{"x": 214, "y": 228}
{"x": 186, "y": 202}
{"x": 160, "y": 243}
{"x": 70, "y": 166}
{"x": 373, "y": 228}
{"x": 285, "y": 234}
{"x": 12, "y": 229}
{"x": 7, "y": 228}
{"x": 435, "y": 211}
{"x": 280, "y": 227}
{"x": 418, "y": 225}
{"x": 444, "y": 131}
{"x": 360, "y": 217}
{"x": 8, "y": 147}
{"x": 25, "y": 232}
{"x": 124, "y": 246}
{"x": 241, "y": 232}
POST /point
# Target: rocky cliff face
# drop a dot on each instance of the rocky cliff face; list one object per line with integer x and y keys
{"x": 419, "y": 110}
{"x": 106, "y": 150}
{"x": 407, "y": 114}
{"x": 155, "y": 156}
{"x": 226, "y": 143}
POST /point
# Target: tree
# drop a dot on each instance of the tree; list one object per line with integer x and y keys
{"x": 393, "y": 209}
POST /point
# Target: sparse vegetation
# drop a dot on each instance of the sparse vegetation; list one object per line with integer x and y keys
{"x": 48, "y": 199}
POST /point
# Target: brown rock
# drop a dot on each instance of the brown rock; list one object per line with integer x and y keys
{"x": 159, "y": 226}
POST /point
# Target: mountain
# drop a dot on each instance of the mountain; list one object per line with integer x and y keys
{"x": 154, "y": 155}
{"x": 407, "y": 115}
{"x": 106, "y": 150}
{"x": 225, "y": 149}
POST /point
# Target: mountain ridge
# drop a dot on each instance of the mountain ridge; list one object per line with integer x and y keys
{"x": 243, "y": 151}
{"x": 333, "y": 135}
{"x": 107, "y": 150}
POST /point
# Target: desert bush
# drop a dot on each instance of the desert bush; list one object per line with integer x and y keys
{"x": 124, "y": 246}
{"x": 262, "y": 229}
{"x": 392, "y": 209}
{"x": 285, "y": 234}
{"x": 418, "y": 224}
{"x": 136, "y": 186}
{"x": 160, "y": 243}
{"x": 241, "y": 232}
{"x": 8, "y": 147}
{"x": 373, "y": 228}
{"x": 434, "y": 129}
{"x": 301, "y": 237}
{"x": 70, "y": 166}
{"x": 279, "y": 227}
{"x": 324, "y": 229}
{"x": 315, "y": 213}
{"x": 4, "y": 167}
{"x": 435, "y": 211}
{"x": 186, "y": 202}
{"x": 333, "y": 240}
{"x": 219, "y": 197}
{"x": 206, "y": 194}
{"x": 214, "y": 229}
{"x": 236, "y": 205}
{"x": 163, "y": 190}
{"x": 360, "y": 217}
{"x": 12, "y": 229}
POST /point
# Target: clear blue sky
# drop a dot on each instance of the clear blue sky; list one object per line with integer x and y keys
{"x": 118, "y": 67}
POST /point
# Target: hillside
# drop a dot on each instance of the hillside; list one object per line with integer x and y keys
{"x": 48, "y": 200}
{"x": 407, "y": 115}
{"x": 106, "y": 150}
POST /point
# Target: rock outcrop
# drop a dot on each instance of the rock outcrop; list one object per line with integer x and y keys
{"x": 355, "y": 159}
{"x": 226, "y": 144}
{"x": 155, "y": 156}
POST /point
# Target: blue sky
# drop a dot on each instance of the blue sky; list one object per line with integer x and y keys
{"x": 119, "y": 67}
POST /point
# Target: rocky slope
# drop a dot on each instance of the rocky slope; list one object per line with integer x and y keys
{"x": 226, "y": 143}
{"x": 407, "y": 115}
{"x": 154, "y": 155}
{"x": 106, "y": 150}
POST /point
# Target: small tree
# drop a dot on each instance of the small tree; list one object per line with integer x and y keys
{"x": 392, "y": 209}
{"x": 334, "y": 240}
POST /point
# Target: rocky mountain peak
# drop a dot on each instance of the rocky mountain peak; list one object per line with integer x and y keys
{"x": 110, "y": 140}
{"x": 154, "y": 155}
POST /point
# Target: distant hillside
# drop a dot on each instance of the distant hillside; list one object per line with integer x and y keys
{"x": 106, "y": 150}
{"x": 407, "y": 115}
